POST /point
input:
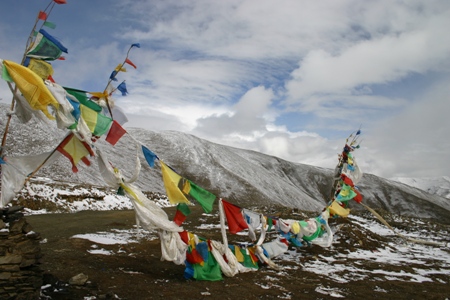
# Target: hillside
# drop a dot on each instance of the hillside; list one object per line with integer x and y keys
{"x": 244, "y": 177}
{"x": 437, "y": 185}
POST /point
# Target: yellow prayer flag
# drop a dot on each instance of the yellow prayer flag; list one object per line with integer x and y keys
{"x": 99, "y": 95}
{"x": 186, "y": 187}
{"x": 42, "y": 68}
{"x": 120, "y": 68}
{"x": 171, "y": 180}
{"x": 191, "y": 240}
{"x": 337, "y": 209}
{"x": 32, "y": 87}
{"x": 295, "y": 227}
{"x": 89, "y": 116}
{"x": 238, "y": 254}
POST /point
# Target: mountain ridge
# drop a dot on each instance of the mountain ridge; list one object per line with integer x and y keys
{"x": 245, "y": 177}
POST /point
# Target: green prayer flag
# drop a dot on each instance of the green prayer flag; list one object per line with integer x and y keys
{"x": 209, "y": 271}
{"x": 50, "y": 25}
{"x": 205, "y": 198}
{"x": 46, "y": 47}
{"x": 248, "y": 262}
{"x": 184, "y": 209}
{"x": 82, "y": 97}
{"x": 5, "y": 74}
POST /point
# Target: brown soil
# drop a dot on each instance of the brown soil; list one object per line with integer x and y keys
{"x": 135, "y": 271}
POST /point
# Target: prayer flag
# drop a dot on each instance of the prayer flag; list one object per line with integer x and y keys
{"x": 98, "y": 124}
{"x": 346, "y": 193}
{"x": 32, "y": 87}
{"x": 83, "y": 99}
{"x": 210, "y": 270}
{"x": 42, "y": 68}
{"x": 115, "y": 133}
{"x": 42, "y": 15}
{"x": 182, "y": 212}
{"x": 184, "y": 235}
{"x": 337, "y": 209}
{"x": 60, "y": 1}
{"x": 120, "y": 68}
{"x": 123, "y": 88}
{"x": 205, "y": 198}
{"x": 130, "y": 63}
{"x": 75, "y": 150}
{"x": 358, "y": 198}
{"x": 171, "y": 180}
{"x": 347, "y": 180}
{"x": 136, "y": 45}
{"x": 235, "y": 219}
{"x": 76, "y": 113}
{"x": 149, "y": 156}
{"x": 113, "y": 75}
{"x": 46, "y": 47}
{"x": 50, "y": 25}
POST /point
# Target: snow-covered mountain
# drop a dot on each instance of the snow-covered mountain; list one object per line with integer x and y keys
{"x": 438, "y": 185}
{"x": 244, "y": 177}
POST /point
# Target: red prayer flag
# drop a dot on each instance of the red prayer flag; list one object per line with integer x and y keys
{"x": 130, "y": 63}
{"x": 115, "y": 133}
{"x": 234, "y": 216}
{"x": 347, "y": 180}
{"x": 60, "y": 1}
{"x": 42, "y": 15}
{"x": 184, "y": 236}
{"x": 358, "y": 198}
{"x": 179, "y": 218}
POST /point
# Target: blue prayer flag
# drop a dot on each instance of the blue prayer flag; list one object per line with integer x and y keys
{"x": 149, "y": 156}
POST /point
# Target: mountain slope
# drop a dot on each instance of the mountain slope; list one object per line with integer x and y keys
{"x": 244, "y": 177}
{"x": 439, "y": 185}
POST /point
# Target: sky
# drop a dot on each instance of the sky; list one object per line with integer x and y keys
{"x": 287, "y": 78}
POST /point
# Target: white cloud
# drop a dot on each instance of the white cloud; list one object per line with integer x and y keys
{"x": 287, "y": 78}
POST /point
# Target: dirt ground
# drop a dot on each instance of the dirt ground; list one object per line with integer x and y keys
{"x": 135, "y": 271}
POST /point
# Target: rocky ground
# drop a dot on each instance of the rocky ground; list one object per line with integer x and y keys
{"x": 357, "y": 266}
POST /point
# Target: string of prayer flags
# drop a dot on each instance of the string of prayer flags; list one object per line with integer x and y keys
{"x": 75, "y": 150}
{"x": 182, "y": 212}
{"x": 46, "y": 47}
{"x": 31, "y": 86}
{"x": 235, "y": 219}
{"x": 205, "y": 198}
{"x": 171, "y": 180}
{"x": 115, "y": 133}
